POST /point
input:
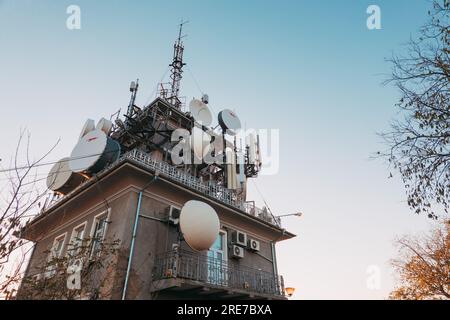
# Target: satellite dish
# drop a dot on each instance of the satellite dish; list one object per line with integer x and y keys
{"x": 229, "y": 121}
{"x": 199, "y": 224}
{"x": 89, "y": 126}
{"x": 104, "y": 125}
{"x": 200, "y": 112}
{"x": 61, "y": 179}
{"x": 200, "y": 142}
{"x": 93, "y": 153}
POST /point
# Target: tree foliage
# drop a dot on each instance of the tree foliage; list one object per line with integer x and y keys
{"x": 19, "y": 202}
{"x": 419, "y": 142}
{"x": 424, "y": 266}
{"x": 50, "y": 279}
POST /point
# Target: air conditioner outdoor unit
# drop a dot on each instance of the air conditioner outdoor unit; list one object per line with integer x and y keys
{"x": 239, "y": 238}
{"x": 253, "y": 245}
{"x": 237, "y": 252}
{"x": 174, "y": 215}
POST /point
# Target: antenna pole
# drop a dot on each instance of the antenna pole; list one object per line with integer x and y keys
{"x": 177, "y": 67}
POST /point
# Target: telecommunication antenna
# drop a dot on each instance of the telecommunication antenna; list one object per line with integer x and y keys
{"x": 177, "y": 68}
{"x": 134, "y": 86}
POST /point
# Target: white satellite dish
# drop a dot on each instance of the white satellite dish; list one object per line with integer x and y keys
{"x": 229, "y": 121}
{"x": 200, "y": 142}
{"x": 94, "y": 152}
{"x": 89, "y": 126}
{"x": 200, "y": 112}
{"x": 104, "y": 125}
{"x": 199, "y": 224}
{"x": 61, "y": 179}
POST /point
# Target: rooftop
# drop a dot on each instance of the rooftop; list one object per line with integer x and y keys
{"x": 210, "y": 188}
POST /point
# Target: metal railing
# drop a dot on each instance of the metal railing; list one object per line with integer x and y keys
{"x": 209, "y": 188}
{"x": 215, "y": 272}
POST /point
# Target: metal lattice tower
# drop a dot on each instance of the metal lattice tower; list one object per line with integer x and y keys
{"x": 177, "y": 68}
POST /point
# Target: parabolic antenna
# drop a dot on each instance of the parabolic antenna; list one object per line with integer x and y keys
{"x": 93, "y": 153}
{"x": 89, "y": 126}
{"x": 61, "y": 179}
{"x": 229, "y": 121}
{"x": 199, "y": 224}
{"x": 200, "y": 142}
{"x": 104, "y": 125}
{"x": 200, "y": 112}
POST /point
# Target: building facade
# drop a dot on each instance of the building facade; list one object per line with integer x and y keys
{"x": 241, "y": 264}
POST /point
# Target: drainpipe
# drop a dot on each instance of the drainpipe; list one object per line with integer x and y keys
{"x": 274, "y": 259}
{"x": 133, "y": 238}
{"x": 274, "y": 256}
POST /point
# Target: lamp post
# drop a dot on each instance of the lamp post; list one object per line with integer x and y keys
{"x": 289, "y": 291}
{"x": 297, "y": 214}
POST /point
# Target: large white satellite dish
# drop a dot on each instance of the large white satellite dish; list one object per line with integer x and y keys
{"x": 229, "y": 121}
{"x": 200, "y": 142}
{"x": 88, "y": 126}
{"x": 200, "y": 112}
{"x": 61, "y": 179}
{"x": 199, "y": 224}
{"x": 94, "y": 152}
{"x": 104, "y": 125}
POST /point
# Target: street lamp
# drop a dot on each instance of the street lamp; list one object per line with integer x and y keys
{"x": 289, "y": 291}
{"x": 297, "y": 214}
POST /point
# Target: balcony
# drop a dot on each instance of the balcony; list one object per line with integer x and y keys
{"x": 190, "y": 275}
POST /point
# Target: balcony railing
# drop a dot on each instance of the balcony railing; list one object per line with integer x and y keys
{"x": 215, "y": 272}
{"x": 209, "y": 188}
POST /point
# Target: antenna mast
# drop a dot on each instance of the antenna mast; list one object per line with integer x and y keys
{"x": 177, "y": 68}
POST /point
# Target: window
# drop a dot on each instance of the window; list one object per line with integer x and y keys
{"x": 57, "y": 247}
{"x": 76, "y": 240}
{"x": 55, "y": 253}
{"x": 98, "y": 232}
{"x": 217, "y": 260}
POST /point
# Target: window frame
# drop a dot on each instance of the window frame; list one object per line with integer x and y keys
{"x": 72, "y": 236}
{"x": 50, "y": 269}
{"x": 60, "y": 253}
{"x": 97, "y": 217}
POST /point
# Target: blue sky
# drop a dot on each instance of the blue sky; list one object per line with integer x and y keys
{"x": 309, "y": 68}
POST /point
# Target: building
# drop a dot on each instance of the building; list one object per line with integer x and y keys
{"x": 136, "y": 197}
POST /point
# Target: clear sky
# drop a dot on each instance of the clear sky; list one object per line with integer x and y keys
{"x": 311, "y": 69}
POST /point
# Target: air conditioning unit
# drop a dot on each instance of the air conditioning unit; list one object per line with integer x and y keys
{"x": 237, "y": 252}
{"x": 253, "y": 245}
{"x": 174, "y": 215}
{"x": 239, "y": 238}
